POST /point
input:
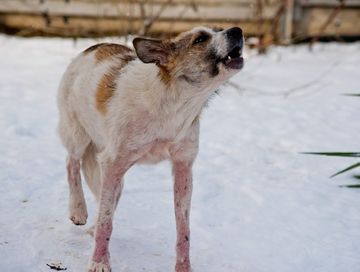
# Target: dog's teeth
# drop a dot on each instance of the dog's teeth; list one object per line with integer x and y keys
{"x": 229, "y": 58}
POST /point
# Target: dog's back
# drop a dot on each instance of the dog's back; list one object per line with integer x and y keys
{"x": 84, "y": 91}
{"x": 86, "y": 87}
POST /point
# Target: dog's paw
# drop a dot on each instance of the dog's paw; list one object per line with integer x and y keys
{"x": 99, "y": 267}
{"x": 78, "y": 214}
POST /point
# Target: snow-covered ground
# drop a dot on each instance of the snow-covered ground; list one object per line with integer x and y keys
{"x": 258, "y": 205}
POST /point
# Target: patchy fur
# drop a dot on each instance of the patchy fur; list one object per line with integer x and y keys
{"x": 104, "y": 51}
{"x": 107, "y": 84}
{"x": 106, "y": 89}
{"x": 120, "y": 107}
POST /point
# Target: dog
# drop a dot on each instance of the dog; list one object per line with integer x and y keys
{"x": 120, "y": 106}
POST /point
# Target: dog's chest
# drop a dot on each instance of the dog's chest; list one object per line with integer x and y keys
{"x": 158, "y": 151}
{"x": 167, "y": 137}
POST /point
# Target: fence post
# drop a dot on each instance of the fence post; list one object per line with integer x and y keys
{"x": 287, "y": 25}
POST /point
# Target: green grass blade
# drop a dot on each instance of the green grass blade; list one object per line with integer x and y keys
{"x": 336, "y": 154}
{"x": 347, "y": 169}
{"x": 352, "y": 94}
{"x": 356, "y": 186}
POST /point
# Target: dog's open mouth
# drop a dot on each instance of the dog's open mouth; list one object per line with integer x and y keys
{"x": 234, "y": 59}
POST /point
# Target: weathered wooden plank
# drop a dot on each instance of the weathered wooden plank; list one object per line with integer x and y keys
{"x": 346, "y": 23}
{"x": 328, "y": 3}
{"x": 128, "y": 9}
{"x": 81, "y": 26}
{"x": 186, "y": 2}
{"x": 111, "y": 17}
{"x": 287, "y": 29}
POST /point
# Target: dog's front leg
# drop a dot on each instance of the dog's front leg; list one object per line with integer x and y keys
{"x": 182, "y": 197}
{"x": 112, "y": 183}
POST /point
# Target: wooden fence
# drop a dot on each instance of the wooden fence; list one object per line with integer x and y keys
{"x": 279, "y": 20}
{"x": 327, "y": 18}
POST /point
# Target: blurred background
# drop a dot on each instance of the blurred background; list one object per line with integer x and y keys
{"x": 259, "y": 204}
{"x": 271, "y": 21}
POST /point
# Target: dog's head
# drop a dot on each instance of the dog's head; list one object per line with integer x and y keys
{"x": 202, "y": 56}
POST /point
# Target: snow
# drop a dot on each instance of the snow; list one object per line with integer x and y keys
{"x": 258, "y": 204}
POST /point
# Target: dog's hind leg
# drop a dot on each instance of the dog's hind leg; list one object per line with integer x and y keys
{"x": 77, "y": 204}
{"x": 76, "y": 140}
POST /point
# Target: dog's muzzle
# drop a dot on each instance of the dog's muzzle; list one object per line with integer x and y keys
{"x": 234, "y": 59}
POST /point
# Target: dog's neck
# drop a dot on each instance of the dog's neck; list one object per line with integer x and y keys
{"x": 179, "y": 94}
{"x": 175, "y": 107}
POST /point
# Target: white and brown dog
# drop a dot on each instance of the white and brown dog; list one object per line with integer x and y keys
{"x": 119, "y": 107}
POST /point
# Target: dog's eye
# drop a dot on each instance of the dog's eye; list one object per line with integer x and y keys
{"x": 201, "y": 38}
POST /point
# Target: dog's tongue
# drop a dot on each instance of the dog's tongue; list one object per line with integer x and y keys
{"x": 234, "y": 59}
{"x": 234, "y": 63}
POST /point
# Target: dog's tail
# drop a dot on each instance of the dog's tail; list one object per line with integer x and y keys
{"x": 91, "y": 170}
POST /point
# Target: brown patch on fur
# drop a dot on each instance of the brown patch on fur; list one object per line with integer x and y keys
{"x": 182, "y": 52}
{"x": 177, "y": 46}
{"x": 165, "y": 75}
{"x": 183, "y": 38}
{"x": 92, "y": 48}
{"x": 105, "y": 91}
{"x": 107, "y": 84}
{"x": 107, "y": 50}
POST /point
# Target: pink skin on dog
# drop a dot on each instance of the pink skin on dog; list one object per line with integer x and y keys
{"x": 119, "y": 107}
{"x": 182, "y": 197}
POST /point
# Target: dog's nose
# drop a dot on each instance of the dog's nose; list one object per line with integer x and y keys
{"x": 234, "y": 33}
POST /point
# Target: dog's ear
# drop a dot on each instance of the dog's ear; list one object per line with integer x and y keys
{"x": 151, "y": 50}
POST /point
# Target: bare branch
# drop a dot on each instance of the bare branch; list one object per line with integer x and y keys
{"x": 149, "y": 21}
